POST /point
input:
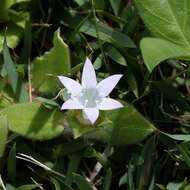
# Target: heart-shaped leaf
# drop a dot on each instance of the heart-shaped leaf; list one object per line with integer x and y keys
{"x": 168, "y": 21}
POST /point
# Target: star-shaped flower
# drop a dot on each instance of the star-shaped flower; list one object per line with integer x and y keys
{"x": 90, "y": 96}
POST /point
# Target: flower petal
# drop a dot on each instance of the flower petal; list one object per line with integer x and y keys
{"x": 71, "y": 105}
{"x": 91, "y": 114}
{"x": 71, "y": 85}
{"x": 107, "y": 85}
{"x": 88, "y": 75}
{"x": 109, "y": 104}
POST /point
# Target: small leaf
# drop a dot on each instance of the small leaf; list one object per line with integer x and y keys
{"x": 28, "y": 187}
{"x": 48, "y": 66}
{"x": 81, "y": 2}
{"x": 174, "y": 186}
{"x": 3, "y": 133}
{"x": 107, "y": 180}
{"x": 34, "y": 121}
{"x": 115, "y": 6}
{"x": 13, "y": 35}
{"x": 72, "y": 167}
{"x": 98, "y": 30}
{"x": 184, "y": 150}
{"x": 114, "y": 54}
{"x": 107, "y": 34}
{"x": 56, "y": 183}
{"x": 10, "y": 187}
{"x": 11, "y": 166}
{"x": 123, "y": 180}
{"x": 81, "y": 182}
{"x": 10, "y": 68}
{"x": 178, "y": 137}
{"x": 60, "y": 186}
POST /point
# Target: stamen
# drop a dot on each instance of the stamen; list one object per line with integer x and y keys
{"x": 97, "y": 101}
{"x": 86, "y": 102}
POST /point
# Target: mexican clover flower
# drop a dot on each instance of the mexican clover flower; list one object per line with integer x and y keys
{"x": 90, "y": 96}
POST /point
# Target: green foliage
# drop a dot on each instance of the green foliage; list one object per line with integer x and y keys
{"x": 4, "y": 133}
{"x": 34, "y": 121}
{"x": 52, "y": 64}
{"x": 11, "y": 163}
{"x": 28, "y": 187}
{"x": 9, "y": 69}
{"x": 143, "y": 146}
{"x": 81, "y": 182}
{"x": 119, "y": 127}
{"x": 173, "y": 35}
{"x": 13, "y": 20}
{"x": 129, "y": 126}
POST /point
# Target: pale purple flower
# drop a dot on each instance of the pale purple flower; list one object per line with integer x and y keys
{"x": 90, "y": 96}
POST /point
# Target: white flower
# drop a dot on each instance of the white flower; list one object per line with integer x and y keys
{"x": 90, "y": 96}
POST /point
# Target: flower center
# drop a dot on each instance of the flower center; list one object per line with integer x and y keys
{"x": 89, "y": 97}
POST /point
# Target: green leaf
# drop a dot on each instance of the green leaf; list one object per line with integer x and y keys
{"x": 179, "y": 137}
{"x": 120, "y": 127}
{"x": 56, "y": 183}
{"x": 98, "y": 62}
{"x": 167, "y": 20}
{"x": 184, "y": 150}
{"x": 72, "y": 167}
{"x": 81, "y": 2}
{"x": 4, "y": 4}
{"x": 129, "y": 126}
{"x": 60, "y": 186}
{"x": 155, "y": 51}
{"x": 123, "y": 180}
{"x": 100, "y": 131}
{"x": 28, "y": 187}
{"x": 48, "y": 66}
{"x": 11, "y": 166}
{"x": 98, "y": 30}
{"x": 174, "y": 186}
{"x": 14, "y": 33}
{"x": 10, "y": 187}
{"x": 19, "y": 18}
{"x": 81, "y": 182}
{"x": 187, "y": 187}
{"x": 107, "y": 180}
{"x": 114, "y": 54}
{"x": 3, "y": 133}
{"x": 6, "y": 98}
{"x": 34, "y": 121}
{"x": 115, "y": 6}
{"x": 107, "y": 34}
{"x": 10, "y": 69}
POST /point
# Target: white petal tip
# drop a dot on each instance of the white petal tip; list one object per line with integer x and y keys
{"x": 92, "y": 122}
{"x": 88, "y": 74}
{"x": 88, "y": 61}
{"x": 118, "y": 75}
{"x": 91, "y": 114}
{"x": 71, "y": 104}
{"x": 110, "y": 104}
